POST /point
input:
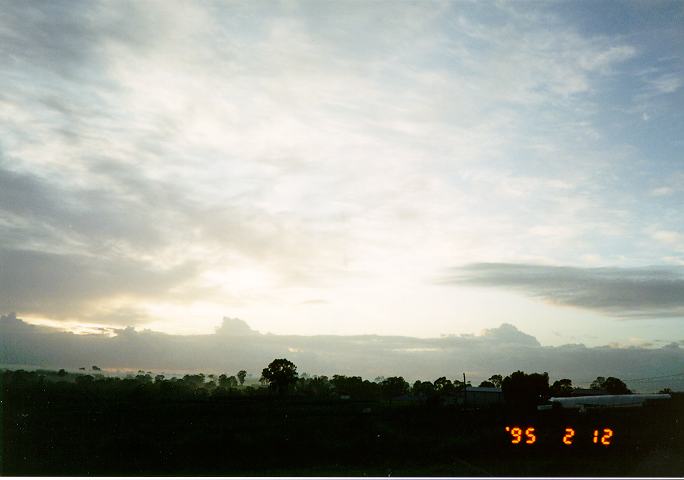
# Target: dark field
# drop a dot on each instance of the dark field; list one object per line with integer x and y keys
{"x": 67, "y": 429}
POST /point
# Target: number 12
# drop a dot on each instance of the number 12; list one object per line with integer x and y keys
{"x": 605, "y": 438}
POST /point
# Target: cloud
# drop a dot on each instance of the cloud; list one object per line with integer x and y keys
{"x": 44, "y": 214}
{"x": 498, "y": 350}
{"x": 648, "y": 292}
{"x": 60, "y": 285}
{"x": 509, "y": 334}
{"x": 234, "y": 327}
{"x": 233, "y": 153}
{"x": 668, "y": 83}
{"x": 674, "y": 240}
{"x": 673, "y": 184}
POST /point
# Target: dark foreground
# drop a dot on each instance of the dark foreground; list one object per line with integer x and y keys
{"x": 68, "y": 431}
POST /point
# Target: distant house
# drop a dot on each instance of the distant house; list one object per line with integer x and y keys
{"x": 477, "y": 397}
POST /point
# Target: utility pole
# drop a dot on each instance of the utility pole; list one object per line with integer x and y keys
{"x": 465, "y": 391}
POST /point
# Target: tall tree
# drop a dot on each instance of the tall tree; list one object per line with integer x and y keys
{"x": 611, "y": 385}
{"x": 525, "y": 391}
{"x": 280, "y": 375}
{"x": 562, "y": 387}
{"x": 496, "y": 380}
{"x": 227, "y": 382}
{"x": 393, "y": 387}
{"x": 241, "y": 376}
{"x": 598, "y": 384}
{"x": 444, "y": 386}
{"x": 615, "y": 386}
{"x": 423, "y": 389}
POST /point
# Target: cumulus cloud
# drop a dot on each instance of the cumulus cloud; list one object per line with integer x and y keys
{"x": 648, "y": 292}
{"x": 509, "y": 334}
{"x": 497, "y": 350}
{"x": 234, "y": 327}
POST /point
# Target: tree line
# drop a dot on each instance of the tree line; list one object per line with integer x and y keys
{"x": 280, "y": 378}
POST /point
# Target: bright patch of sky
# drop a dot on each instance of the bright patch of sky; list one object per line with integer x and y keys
{"x": 318, "y": 167}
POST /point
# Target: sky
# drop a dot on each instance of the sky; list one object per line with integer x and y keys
{"x": 413, "y": 169}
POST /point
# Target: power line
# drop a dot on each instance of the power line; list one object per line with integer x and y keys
{"x": 654, "y": 378}
{"x": 640, "y": 379}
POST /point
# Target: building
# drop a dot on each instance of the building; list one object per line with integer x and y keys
{"x": 476, "y": 397}
{"x": 603, "y": 401}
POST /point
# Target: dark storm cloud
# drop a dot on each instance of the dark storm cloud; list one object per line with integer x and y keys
{"x": 235, "y": 346}
{"x": 649, "y": 292}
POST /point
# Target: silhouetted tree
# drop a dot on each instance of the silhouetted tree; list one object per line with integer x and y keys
{"x": 393, "y": 387}
{"x": 227, "y": 382}
{"x": 320, "y": 386}
{"x": 62, "y": 372}
{"x": 241, "y": 376}
{"x": 497, "y": 380}
{"x": 611, "y": 385}
{"x": 158, "y": 378}
{"x": 280, "y": 374}
{"x": 444, "y": 386}
{"x": 459, "y": 385}
{"x": 194, "y": 380}
{"x": 84, "y": 380}
{"x": 423, "y": 389}
{"x": 355, "y": 387}
{"x": 314, "y": 386}
{"x": 598, "y": 383}
{"x": 345, "y": 385}
{"x": 96, "y": 368}
{"x": 562, "y": 387}
{"x": 525, "y": 391}
{"x": 486, "y": 384}
{"x": 615, "y": 386}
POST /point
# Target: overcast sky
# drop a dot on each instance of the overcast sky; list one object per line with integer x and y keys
{"x": 345, "y": 168}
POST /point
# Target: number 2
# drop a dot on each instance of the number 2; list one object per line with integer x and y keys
{"x": 569, "y": 433}
{"x": 607, "y": 434}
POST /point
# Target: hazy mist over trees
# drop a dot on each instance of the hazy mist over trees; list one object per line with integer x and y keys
{"x": 235, "y": 346}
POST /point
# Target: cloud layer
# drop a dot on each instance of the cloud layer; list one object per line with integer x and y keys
{"x": 235, "y": 346}
{"x": 162, "y": 164}
{"x": 649, "y": 292}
